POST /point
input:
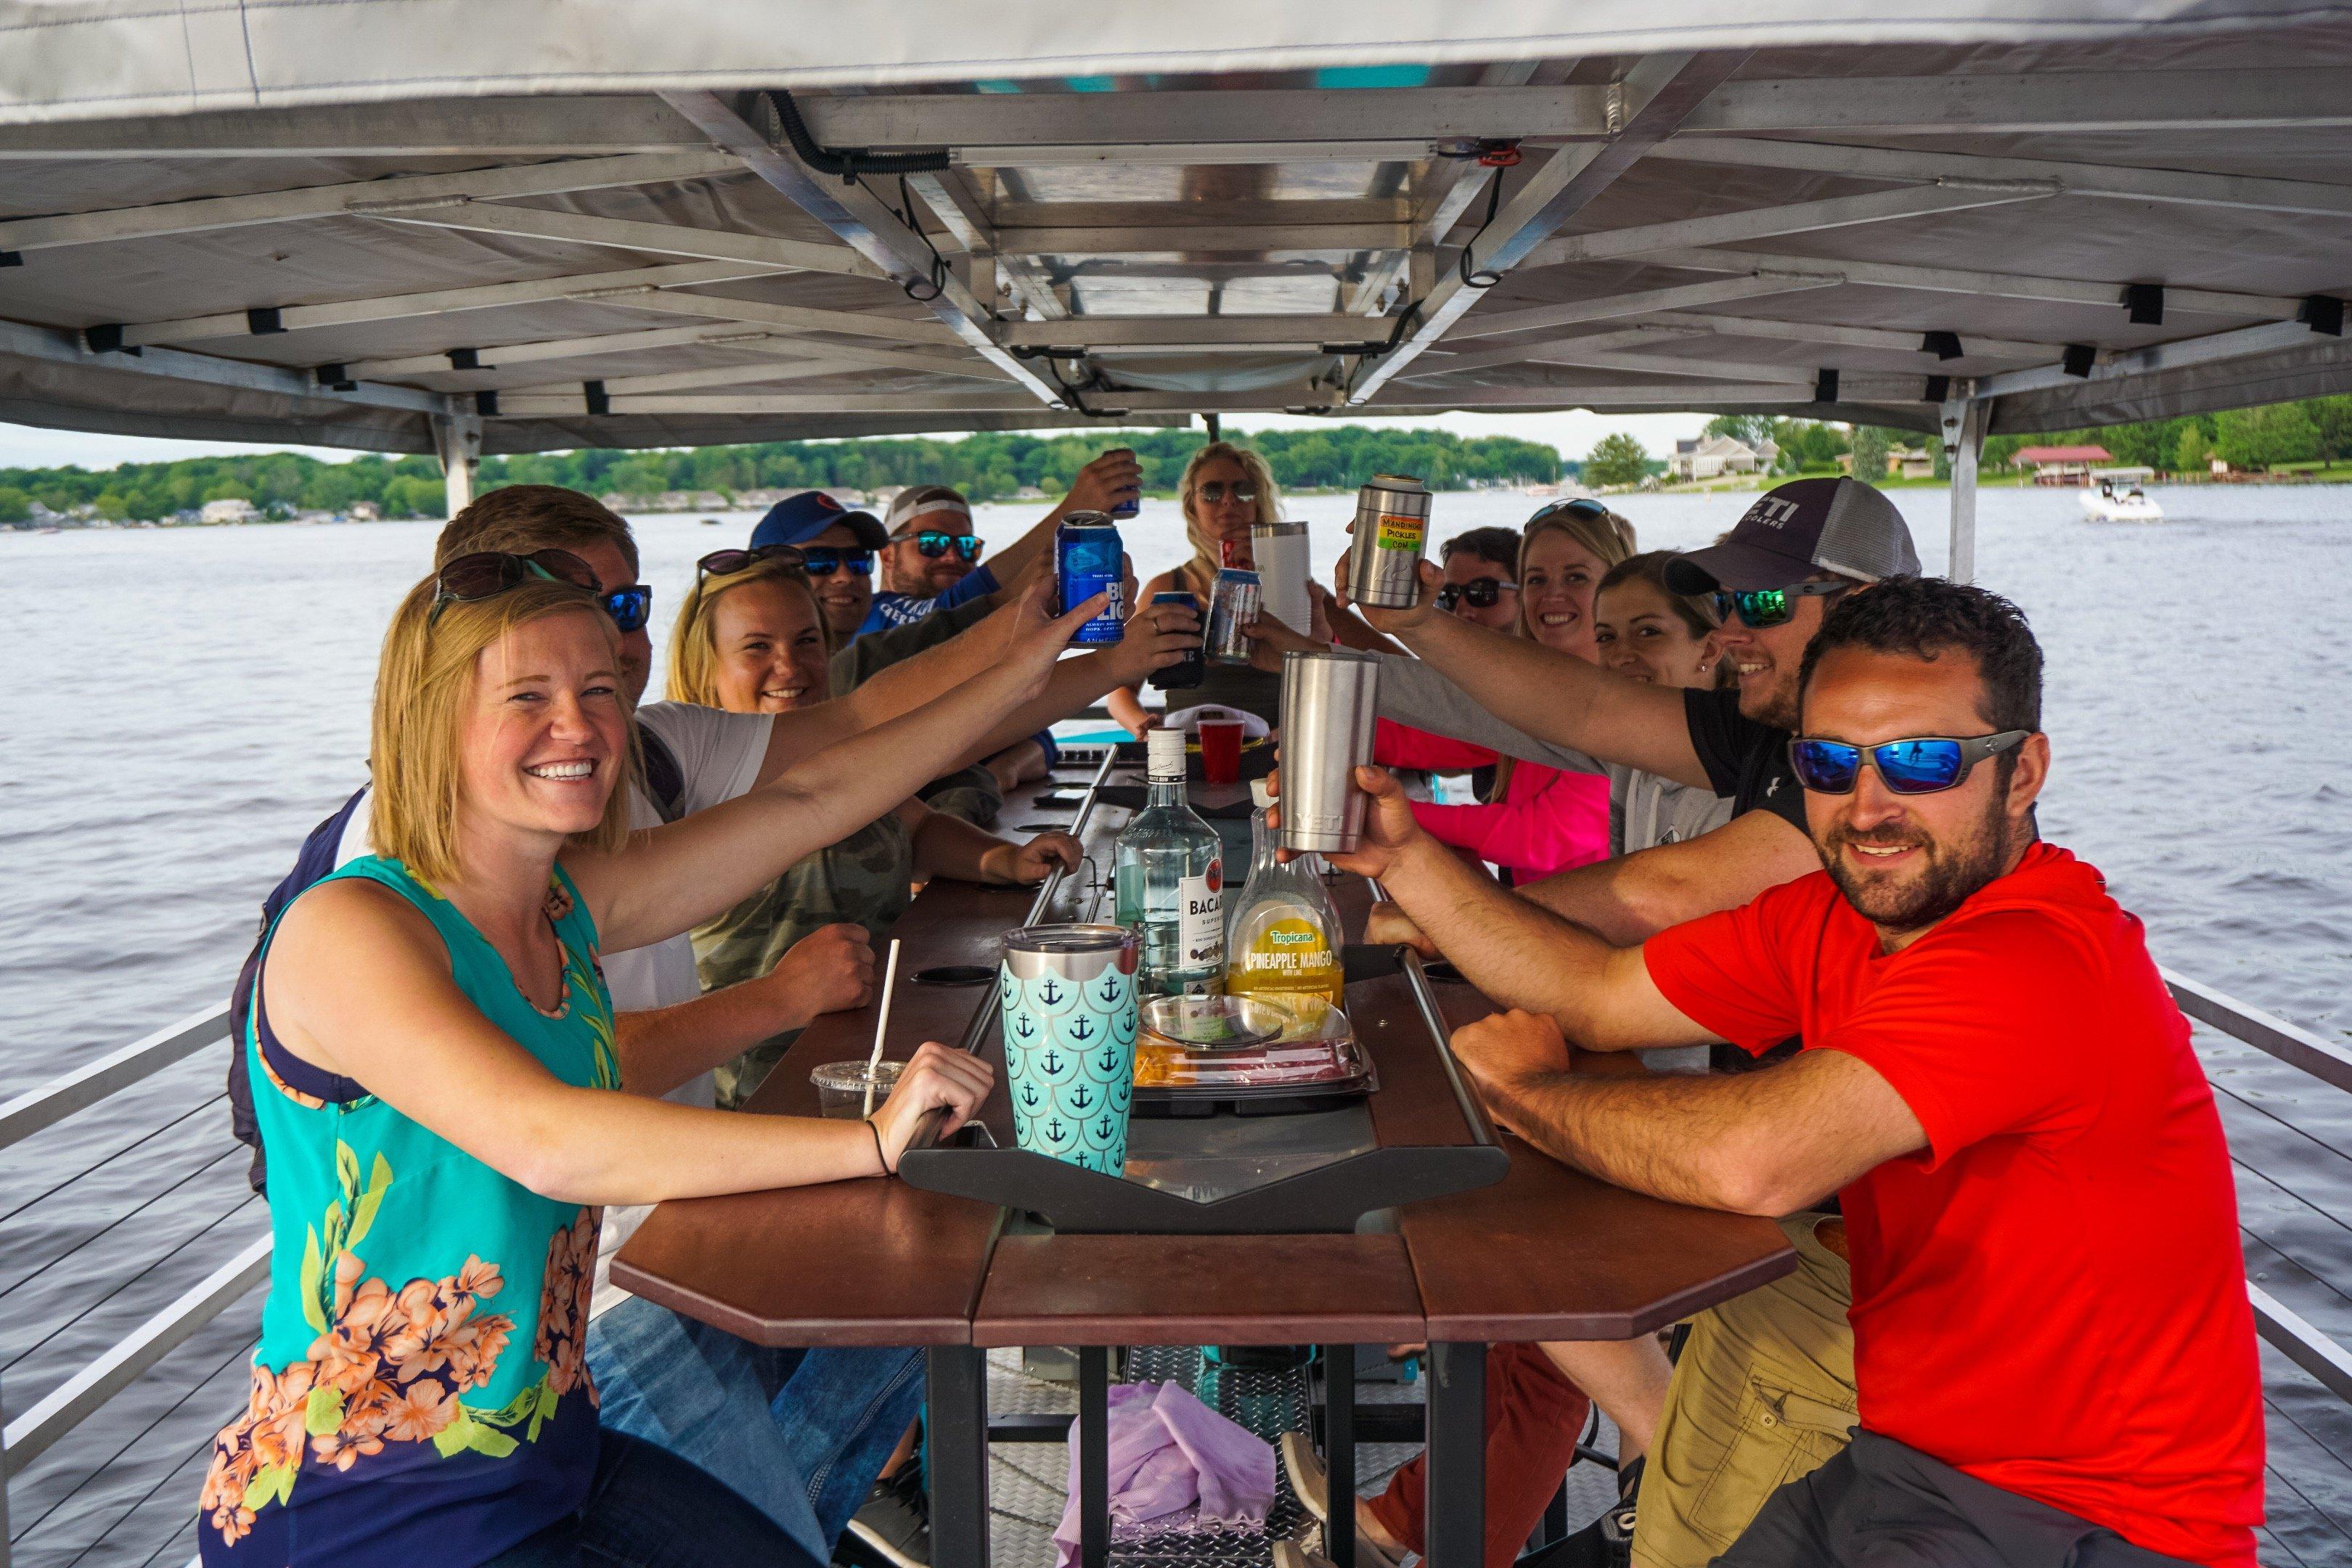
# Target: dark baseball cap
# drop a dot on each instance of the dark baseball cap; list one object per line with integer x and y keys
{"x": 1797, "y": 531}
{"x": 796, "y": 520}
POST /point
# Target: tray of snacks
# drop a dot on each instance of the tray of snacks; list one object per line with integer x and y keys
{"x": 1252, "y": 1056}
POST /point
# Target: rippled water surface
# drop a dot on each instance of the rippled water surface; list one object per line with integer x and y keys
{"x": 182, "y": 705}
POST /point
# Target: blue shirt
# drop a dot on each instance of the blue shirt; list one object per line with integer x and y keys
{"x": 905, "y": 609}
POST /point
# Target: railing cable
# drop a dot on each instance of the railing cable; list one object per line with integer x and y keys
{"x": 153, "y": 1132}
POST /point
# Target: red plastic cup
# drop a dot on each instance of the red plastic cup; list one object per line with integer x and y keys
{"x": 1221, "y": 751}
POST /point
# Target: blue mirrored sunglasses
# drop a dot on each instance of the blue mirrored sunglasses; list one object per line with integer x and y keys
{"x": 824, "y": 560}
{"x": 630, "y": 606}
{"x": 1922, "y": 764}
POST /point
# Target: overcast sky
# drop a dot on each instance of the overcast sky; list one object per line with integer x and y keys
{"x": 24, "y": 447}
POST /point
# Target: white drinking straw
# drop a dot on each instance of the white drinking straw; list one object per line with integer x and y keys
{"x": 882, "y": 1023}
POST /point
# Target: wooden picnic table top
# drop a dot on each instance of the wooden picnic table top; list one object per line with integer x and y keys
{"x": 1547, "y": 1253}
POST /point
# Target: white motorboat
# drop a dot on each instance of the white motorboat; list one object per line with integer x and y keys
{"x": 2114, "y": 501}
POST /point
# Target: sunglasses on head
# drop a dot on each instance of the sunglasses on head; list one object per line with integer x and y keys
{"x": 1581, "y": 507}
{"x": 1922, "y": 764}
{"x": 1479, "y": 593}
{"x": 1762, "y": 607}
{"x": 1215, "y": 491}
{"x": 935, "y": 542}
{"x": 727, "y": 562}
{"x": 486, "y": 574}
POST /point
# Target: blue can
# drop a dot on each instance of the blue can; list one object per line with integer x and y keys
{"x": 1087, "y": 560}
{"x": 1191, "y": 671}
{"x": 1134, "y": 501}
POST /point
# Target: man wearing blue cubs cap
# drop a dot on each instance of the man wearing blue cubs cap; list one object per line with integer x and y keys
{"x": 841, "y": 545}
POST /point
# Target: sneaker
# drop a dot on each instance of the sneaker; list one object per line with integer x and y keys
{"x": 1312, "y": 1486}
{"x": 893, "y": 1529}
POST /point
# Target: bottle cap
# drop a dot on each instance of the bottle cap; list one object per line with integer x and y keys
{"x": 1163, "y": 752}
{"x": 1261, "y": 793}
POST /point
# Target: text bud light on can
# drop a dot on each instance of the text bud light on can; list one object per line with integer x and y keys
{"x": 1087, "y": 561}
{"x": 1391, "y": 536}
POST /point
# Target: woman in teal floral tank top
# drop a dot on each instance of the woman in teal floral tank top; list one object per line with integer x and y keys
{"x": 447, "y": 1109}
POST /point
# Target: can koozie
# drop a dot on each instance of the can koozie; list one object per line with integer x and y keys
{"x": 1066, "y": 998}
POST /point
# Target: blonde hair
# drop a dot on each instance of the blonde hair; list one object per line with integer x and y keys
{"x": 519, "y": 518}
{"x": 1201, "y": 572}
{"x": 423, "y": 683}
{"x": 1605, "y": 536}
{"x": 693, "y": 639}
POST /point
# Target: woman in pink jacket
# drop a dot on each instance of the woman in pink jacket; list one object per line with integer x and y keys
{"x": 1540, "y": 820}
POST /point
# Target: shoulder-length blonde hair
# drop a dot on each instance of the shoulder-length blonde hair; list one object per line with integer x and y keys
{"x": 423, "y": 685}
{"x": 694, "y": 638}
{"x": 1199, "y": 572}
{"x": 1600, "y": 532}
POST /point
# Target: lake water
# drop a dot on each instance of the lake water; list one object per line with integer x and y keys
{"x": 182, "y": 705}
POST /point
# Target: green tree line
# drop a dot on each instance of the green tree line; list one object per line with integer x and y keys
{"x": 987, "y": 466}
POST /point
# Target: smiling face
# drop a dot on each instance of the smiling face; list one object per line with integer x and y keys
{"x": 770, "y": 652}
{"x": 1556, "y": 580}
{"x": 1639, "y": 633}
{"x": 1768, "y": 662}
{"x": 1228, "y": 518}
{"x": 1906, "y": 861}
{"x": 542, "y": 737}
{"x": 1463, "y": 566}
{"x": 846, "y": 595}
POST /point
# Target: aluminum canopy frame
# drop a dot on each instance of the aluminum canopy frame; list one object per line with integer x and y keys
{"x": 2039, "y": 215}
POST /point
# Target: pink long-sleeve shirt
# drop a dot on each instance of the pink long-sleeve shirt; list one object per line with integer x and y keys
{"x": 1547, "y": 820}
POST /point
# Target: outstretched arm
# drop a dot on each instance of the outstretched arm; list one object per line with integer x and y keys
{"x": 666, "y": 879}
{"x": 1111, "y": 477}
{"x": 827, "y": 970}
{"x": 358, "y": 983}
{"x": 1551, "y": 695}
{"x": 1766, "y": 1142}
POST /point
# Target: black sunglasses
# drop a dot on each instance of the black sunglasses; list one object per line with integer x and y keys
{"x": 1762, "y": 607}
{"x": 935, "y": 542}
{"x": 1479, "y": 593}
{"x": 486, "y": 574}
{"x": 727, "y": 562}
{"x": 1583, "y": 506}
{"x": 1922, "y": 764}
{"x": 824, "y": 560}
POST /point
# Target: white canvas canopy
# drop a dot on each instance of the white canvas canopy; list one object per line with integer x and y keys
{"x": 466, "y": 225}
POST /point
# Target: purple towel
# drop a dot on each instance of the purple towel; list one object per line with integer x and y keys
{"x": 1175, "y": 1463}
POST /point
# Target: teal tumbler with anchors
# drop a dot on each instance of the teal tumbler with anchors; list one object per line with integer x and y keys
{"x": 1066, "y": 994}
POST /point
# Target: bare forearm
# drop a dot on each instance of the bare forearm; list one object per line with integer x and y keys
{"x": 662, "y": 1048}
{"x": 1595, "y": 896}
{"x": 1670, "y": 1140}
{"x": 947, "y": 846}
{"x": 1128, "y": 708}
{"x": 1519, "y": 955}
{"x": 604, "y": 1148}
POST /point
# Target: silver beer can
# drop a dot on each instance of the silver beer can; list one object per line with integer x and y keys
{"x": 1233, "y": 605}
{"x": 1392, "y": 537}
{"x": 1330, "y": 700}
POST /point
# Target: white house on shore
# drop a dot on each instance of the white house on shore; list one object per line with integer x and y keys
{"x": 234, "y": 509}
{"x": 1712, "y": 457}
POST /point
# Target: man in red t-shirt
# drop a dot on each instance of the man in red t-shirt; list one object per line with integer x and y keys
{"x": 2052, "y": 1344}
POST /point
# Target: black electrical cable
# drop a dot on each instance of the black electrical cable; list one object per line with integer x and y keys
{"x": 1483, "y": 277}
{"x": 847, "y": 162}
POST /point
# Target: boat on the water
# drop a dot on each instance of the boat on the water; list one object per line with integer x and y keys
{"x": 355, "y": 231}
{"x": 2118, "y": 498}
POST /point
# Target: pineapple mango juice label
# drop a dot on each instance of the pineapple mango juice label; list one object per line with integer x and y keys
{"x": 1289, "y": 953}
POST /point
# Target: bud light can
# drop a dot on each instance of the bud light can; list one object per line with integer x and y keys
{"x": 1088, "y": 560}
{"x": 1189, "y": 672}
{"x": 1133, "y": 501}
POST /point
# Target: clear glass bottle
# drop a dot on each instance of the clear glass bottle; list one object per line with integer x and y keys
{"x": 1168, "y": 871}
{"x": 1283, "y": 944}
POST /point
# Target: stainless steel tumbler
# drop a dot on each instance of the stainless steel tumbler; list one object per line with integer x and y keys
{"x": 1280, "y": 551}
{"x": 1328, "y": 704}
{"x": 1391, "y": 536}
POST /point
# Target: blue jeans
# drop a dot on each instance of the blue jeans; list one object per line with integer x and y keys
{"x": 801, "y": 1433}
{"x": 647, "y": 1509}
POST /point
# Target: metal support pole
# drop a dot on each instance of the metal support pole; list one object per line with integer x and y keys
{"x": 458, "y": 441}
{"x": 1454, "y": 1513}
{"x": 4, "y": 1488}
{"x": 1094, "y": 1457}
{"x": 955, "y": 1396}
{"x": 1216, "y": 427}
{"x": 1964, "y": 421}
{"x": 1340, "y": 1451}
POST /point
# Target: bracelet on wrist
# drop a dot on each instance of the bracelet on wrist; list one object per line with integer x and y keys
{"x": 879, "y": 1157}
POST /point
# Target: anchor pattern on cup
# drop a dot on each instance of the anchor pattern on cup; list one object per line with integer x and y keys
{"x": 1069, "y": 1053}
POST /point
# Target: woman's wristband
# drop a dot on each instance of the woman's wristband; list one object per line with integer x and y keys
{"x": 880, "y": 1158}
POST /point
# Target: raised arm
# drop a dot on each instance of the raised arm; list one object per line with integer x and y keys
{"x": 666, "y": 879}
{"x": 1519, "y": 955}
{"x": 1551, "y": 695}
{"x": 1767, "y": 1142}
{"x": 1101, "y": 484}
{"x": 358, "y": 983}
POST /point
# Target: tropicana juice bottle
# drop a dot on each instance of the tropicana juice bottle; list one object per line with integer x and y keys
{"x": 1284, "y": 943}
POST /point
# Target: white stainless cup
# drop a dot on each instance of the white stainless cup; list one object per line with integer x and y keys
{"x": 1329, "y": 706}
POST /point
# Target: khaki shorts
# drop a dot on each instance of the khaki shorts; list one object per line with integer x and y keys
{"x": 1762, "y": 1393}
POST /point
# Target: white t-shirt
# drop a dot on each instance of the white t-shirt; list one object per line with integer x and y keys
{"x": 718, "y": 756}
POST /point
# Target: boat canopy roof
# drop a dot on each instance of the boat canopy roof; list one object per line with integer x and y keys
{"x": 511, "y": 225}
